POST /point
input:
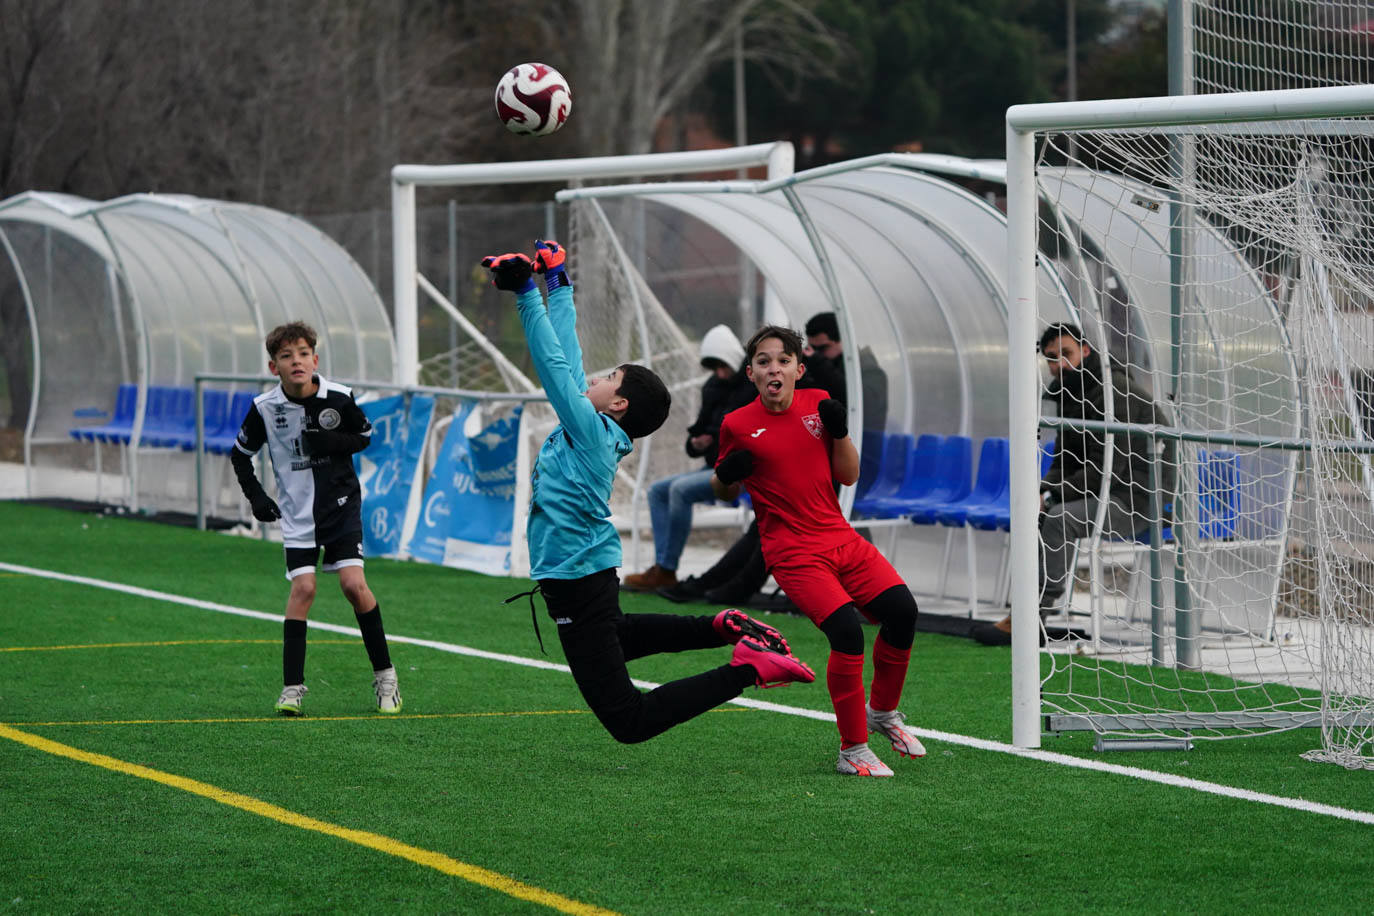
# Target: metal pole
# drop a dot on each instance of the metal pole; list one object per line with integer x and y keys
{"x": 200, "y": 455}
{"x": 1186, "y": 623}
{"x": 453, "y": 289}
{"x": 403, "y": 267}
{"x": 1071, "y": 61}
{"x": 747, "y": 316}
{"x": 1023, "y": 386}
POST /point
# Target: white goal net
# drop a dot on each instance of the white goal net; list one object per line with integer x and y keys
{"x": 1226, "y": 275}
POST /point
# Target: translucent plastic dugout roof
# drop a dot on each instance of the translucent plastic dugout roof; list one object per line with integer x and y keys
{"x": 919, "y": 269}
{"x": 154, "y": 289}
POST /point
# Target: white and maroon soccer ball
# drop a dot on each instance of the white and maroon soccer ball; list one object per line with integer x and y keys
{"x": 533, "y": 99}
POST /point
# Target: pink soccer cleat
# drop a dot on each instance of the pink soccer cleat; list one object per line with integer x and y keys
{"x": 772, "y": 667}
{"x": 733, "y": 625}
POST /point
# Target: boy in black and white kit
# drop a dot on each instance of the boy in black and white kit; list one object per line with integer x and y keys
{"x": 311, "y": 428}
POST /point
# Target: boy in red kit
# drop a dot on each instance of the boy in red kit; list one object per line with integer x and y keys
{"x": 788, "y": 448}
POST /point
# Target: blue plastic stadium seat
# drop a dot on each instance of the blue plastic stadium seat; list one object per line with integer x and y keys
{"x": 1218, "y": 475}
{"x": 126, "y": 399}
{"x": 221, "y": 440}
{"x": 892, "y": 468}
{"x": 953, "y": 480}
{"x": 184, "y": 435}
{"x": 937, "y": 474}
{"x": 996, "y": 515}
{"x": 166, "y": 416}
{"x": 914, "y": 476}
{"x": 994, "y": 467}
{"x": 870, "y": 461}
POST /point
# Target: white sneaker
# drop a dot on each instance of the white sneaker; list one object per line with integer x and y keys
{"x": 384, "y": 685}
{"x": 889, "y": 724}
{"x": 289, "y": 703}
{"x": 859, "y": 760}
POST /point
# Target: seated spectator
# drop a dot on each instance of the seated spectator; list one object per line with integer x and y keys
{"x": 1069, "y": 491}
{"x": 671, "y": 498}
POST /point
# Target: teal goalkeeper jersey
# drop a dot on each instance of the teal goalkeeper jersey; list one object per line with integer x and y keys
{"x": 569, "y": 531}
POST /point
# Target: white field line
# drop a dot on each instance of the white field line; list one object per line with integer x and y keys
{"x": 1168, "y": 779}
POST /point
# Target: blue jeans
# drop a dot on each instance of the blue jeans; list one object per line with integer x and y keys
{"x": 670, "y": 510}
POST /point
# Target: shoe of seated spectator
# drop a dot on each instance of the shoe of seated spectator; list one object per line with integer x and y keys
{"x": 999, "y": 633}
{"x": 730, "y": 593}
{"x": 654, "y": 577}
{"x": 688, "y": 589}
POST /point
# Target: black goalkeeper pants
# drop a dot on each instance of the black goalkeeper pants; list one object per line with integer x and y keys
{"x": 598, "y": 639}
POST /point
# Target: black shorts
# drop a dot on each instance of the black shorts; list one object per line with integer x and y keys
{"x": 344, "y": 551}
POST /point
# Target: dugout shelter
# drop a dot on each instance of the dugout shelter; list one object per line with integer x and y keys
{"x": 124, "y": 302}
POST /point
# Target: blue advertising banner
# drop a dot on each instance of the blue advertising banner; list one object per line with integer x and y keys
{"x": 386, "y": 468}
{"x": 469, "y": 505}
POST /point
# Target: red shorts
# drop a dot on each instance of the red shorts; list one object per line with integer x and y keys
{"x": 822, "y": 583}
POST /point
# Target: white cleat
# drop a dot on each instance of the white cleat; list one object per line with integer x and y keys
{"x": 289, "y": 703}
{"x": 860, "y": 760}
{"x": 388, "y": 696}
{"x": 889, "y": 725}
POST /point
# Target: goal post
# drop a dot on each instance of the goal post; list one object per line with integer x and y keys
{"x": 1227, "y": 246}
{"x": 778, "y": 157}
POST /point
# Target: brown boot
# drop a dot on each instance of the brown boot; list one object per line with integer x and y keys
{"x": 652, "y": 578}
{"x": 999, "y": 633}
{"x": 994, "y": 634}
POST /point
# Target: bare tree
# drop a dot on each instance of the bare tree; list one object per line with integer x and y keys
{"x": 302, "y": 105}
{"x": 631, "y": 63}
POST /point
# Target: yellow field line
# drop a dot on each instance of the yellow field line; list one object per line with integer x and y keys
{"x": 175, "y": 642}
{"x": 435, "y": 860}
{"x": 373, "y": 717}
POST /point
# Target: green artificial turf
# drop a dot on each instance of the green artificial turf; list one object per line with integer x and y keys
{"x": 498, "y": 765}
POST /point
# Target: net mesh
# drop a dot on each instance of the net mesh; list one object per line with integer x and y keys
{"x": 1290, "y": 44}
{"x": 1216, "y": 583}
{"x": 619, "y": 320}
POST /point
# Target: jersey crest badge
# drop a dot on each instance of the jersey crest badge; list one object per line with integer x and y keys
{"x": 329, "y": 418}
{"x": 813, "y": 424}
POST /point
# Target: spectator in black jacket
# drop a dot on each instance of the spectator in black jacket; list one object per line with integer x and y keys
{"x": 1070, "y": 490}
{"x": 671, "y": 498}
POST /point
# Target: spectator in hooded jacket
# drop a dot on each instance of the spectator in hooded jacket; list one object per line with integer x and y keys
{"x": 671, "y": 499}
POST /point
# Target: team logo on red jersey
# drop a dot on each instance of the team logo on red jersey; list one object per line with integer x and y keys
{"x": 813, "y": 424}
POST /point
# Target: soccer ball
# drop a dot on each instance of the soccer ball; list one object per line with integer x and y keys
{"x": 533, "y": 99}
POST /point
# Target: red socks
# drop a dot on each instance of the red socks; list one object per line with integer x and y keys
{"x": 844, "y": 676}
{"x": 889, "y": 674}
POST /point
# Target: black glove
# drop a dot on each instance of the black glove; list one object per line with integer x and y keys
{"x": 512, "y": 272}
{"x": 332, "y": 442}
{"x": 835, "y": 417}
{"x": 265, "y": 508}
{"x": 735, "y": 467}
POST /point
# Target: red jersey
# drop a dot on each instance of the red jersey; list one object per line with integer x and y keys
{"x": 791, "y": 486}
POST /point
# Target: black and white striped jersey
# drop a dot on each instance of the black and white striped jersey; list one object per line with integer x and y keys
{"x": 319, "y": 495}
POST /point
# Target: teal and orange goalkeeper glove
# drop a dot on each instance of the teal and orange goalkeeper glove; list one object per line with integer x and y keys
{"x": 551, "y": 260}
{"x": 512, "y": 272}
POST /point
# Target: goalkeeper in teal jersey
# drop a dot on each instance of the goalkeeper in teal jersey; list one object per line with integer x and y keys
{"x": 575, "y": 550}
